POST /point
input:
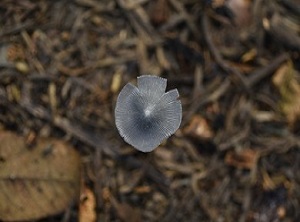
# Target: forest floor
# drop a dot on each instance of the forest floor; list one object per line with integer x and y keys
{"x": 235, "y": 157}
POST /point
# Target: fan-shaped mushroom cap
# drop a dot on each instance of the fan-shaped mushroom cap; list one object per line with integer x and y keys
{"x": 146, "y": 115}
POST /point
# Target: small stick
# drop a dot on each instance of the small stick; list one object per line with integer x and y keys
{"x": 217, "y": 55}
{"x": 265, "y": 71}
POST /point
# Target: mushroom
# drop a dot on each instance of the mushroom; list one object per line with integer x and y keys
{"x": 146, "y": 115}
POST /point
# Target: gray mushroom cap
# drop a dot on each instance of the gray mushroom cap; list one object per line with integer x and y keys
{"x": 146, "y": 115}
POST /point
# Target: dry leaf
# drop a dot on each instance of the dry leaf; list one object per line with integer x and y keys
{"x": 250, "y": 55}
{"x": 22, "y": 67}
{"x": 12, "y": 55}
{"x": 38, "y": 181}
{"x": 116, "y": 82}
{"x": 87, "y": 208}
{"x": 160, "y": 12}
{"x": 241, "y": 10}
{"x": 289, "y": 88}
{"x": 268, "y": 183}
{"x": 271, "y": 182}
{"x": 199, "y": 128}
{"x": 245, "y": 159}
{"x": 15, "y": 52}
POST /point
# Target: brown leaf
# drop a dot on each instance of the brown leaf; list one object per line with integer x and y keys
{"x": 285, "y": 80}
{"x": 241, "y": 10}
{"x": 160, "y": 12}
{"x": 87, "y": 209}
{"x": 199, "y": 128}
{"x": 245, "y": 159}
{"x": 36, "y": 181}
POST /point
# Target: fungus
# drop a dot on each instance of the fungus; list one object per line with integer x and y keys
{"x": 146, "y": 115}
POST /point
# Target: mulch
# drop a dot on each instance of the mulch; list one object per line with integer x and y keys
{"x": 236, "y": 155}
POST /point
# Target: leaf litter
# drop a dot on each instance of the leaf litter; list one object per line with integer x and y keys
{"x": 38, "y": 180}
{"x": 236, "y": 66}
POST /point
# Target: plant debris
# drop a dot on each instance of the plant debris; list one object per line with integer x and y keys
{"x": 36, "y": 181}
{"x": 236, "y": 66}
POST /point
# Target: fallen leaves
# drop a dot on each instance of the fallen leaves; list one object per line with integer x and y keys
{"x": 13, "y": 55}
{"x": 87, "y": 208}
{"x": 241, "y": 10}
{"x": 38, "y": 181}
{"x": 285, "y": 80}
{"x": 199, "y": 128}
{"x": 245, "y": 159}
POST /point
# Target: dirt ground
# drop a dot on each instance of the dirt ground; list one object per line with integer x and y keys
{"x": 236, "y": 154}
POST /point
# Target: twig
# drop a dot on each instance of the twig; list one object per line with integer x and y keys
{"x": 265, "y": 71}
{"x": 16, "y": 29}
{"x": 210, "y": 97}
{"x": 190, "y": 23}
{"x": 218, "y": 57}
